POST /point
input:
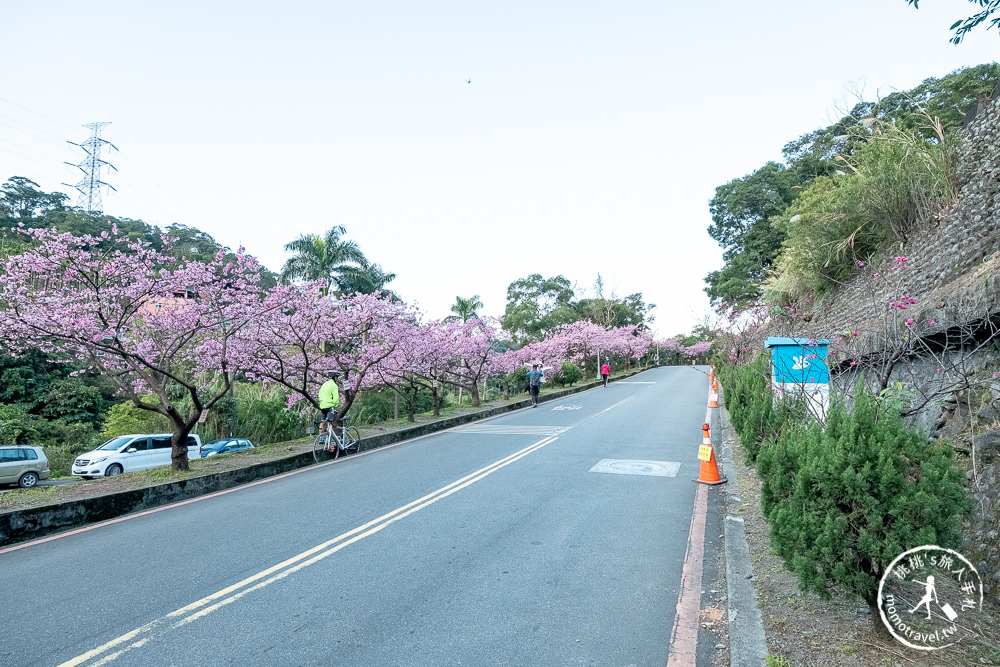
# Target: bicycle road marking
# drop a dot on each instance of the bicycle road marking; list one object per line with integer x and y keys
{"x": 208, "y": 604}
{"x": 637, "y": 467}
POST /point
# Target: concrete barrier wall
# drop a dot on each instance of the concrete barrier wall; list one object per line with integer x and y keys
{"x": 22, "y": 525}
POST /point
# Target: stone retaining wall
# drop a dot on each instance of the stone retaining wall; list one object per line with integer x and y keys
{"x": 961, "y": 242}
{"x": 954, "y": 275}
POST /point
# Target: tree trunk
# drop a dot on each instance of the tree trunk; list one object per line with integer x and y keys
{"x": 877, "y": 625}
{"x": 436, "y": 400}
{"x": 474, "y": 394}
{"x": 411, "y": 407}
{"x": 178, "y": 446}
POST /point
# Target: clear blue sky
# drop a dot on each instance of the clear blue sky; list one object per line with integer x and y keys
{"x": 591, "y": 138}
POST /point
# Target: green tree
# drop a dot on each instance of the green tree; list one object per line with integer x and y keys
{"x": 20, "y": 198}
{"x": 465, "y": 309}
{"x": 322, "y": 258}
{"x": 963, "y": 26}
{"x": 750, "y": 214}
{"x": 537, "y": 306}
{"x": 73, "y": 401}
{"x": 740, "y": 215}
{"x": 17, "y": 426}
{"x": 365, "y": 279}
{"x": 845, "y": 498}
{"x": 613, "y": 311}
{"x": 192, "y": 243}
{"x": 125, "y": 418}
{"x": 616, "y": 311}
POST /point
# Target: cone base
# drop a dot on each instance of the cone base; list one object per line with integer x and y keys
{"x": 721, "y": 481}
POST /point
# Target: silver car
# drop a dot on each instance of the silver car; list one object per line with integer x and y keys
{"x": 23, "y": 465}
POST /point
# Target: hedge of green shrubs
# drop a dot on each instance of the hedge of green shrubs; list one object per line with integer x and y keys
{"x": 845, "y": 497}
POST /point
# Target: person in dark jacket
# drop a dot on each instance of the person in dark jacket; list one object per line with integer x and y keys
{"x": 534, "y": 384}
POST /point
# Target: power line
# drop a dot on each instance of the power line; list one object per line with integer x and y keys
{"x": 31, "y": 132}
{"x": 90, "y": 186}
{"x": 40, "y": 115}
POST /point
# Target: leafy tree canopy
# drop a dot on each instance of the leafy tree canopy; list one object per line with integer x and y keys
{"x": 367, "y": 279}
{"x": 740, "y": 214}
{"x": 948, "y": 98}
{"x": 744, "y": 211}
{"x": 323, "y": 258}
{"x": 537, "y": 305}
{"x": 20, "y": 198}
{"x": 465, "y": 309}
{"x": 616, "y": 311}
{"x": 963, "y": 26}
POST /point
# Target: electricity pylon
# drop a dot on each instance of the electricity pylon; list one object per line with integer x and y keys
{"x": 90, "y": 186}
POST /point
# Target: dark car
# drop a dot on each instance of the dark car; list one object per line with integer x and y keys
{"x": 224, "y": 446}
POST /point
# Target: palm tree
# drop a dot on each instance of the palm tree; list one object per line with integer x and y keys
{"x": 465, "y": 309}
{"x": 365, "y": 279}
{"x": 323, "y": 258}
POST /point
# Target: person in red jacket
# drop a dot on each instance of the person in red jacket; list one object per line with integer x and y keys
{"x": 605, "y": 372}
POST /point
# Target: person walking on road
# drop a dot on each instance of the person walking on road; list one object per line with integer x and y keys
{"x": 534, "y": 384}
{"x": 605, "y": 372}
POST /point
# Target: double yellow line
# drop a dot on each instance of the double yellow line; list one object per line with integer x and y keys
{"x": 142, "y": 635}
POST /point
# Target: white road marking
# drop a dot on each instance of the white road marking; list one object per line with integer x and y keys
{"x": 632, "y": 467}
{"x": 144, "y": 634}
{"x": 201, "y": 608}
{"x": 503, "y": 429}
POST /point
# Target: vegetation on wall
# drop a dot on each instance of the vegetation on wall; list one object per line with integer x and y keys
{"x": 844, "y": 192}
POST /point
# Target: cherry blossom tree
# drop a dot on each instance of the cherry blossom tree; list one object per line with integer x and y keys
{"x": 423, "y": 361}
{"x": 362, "y": 336}
{"x": 166, "y": 331}
{"x": 475, "y": 343}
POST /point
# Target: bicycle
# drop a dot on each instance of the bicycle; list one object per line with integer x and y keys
{"x": 330, "y": 445}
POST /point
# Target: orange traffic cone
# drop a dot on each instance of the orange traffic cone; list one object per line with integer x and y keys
{"x": 709, "y": 473}
{"x": 713, "y": 400}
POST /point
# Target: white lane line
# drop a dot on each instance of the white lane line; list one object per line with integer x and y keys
{"x": 203, "y": 607}
{"x": 593, "y": 417}
{"x": 502, "y": 429}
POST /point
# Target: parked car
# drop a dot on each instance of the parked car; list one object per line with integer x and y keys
{"x": 130, "y": 452}
{"x": 224, "y": 446}
{"x": 23, "y": 465}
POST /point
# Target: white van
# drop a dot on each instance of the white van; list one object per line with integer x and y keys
{"x": 131, "y": 452}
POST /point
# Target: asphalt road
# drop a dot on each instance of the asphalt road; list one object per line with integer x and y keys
{"x": 490, "y": 544}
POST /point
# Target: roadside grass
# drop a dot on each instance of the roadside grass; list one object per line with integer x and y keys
{"x": 39, "y": 495}
{"x": 51, "y": 495}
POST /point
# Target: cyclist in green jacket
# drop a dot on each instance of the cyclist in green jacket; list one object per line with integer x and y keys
{"x": 329, "y": 396}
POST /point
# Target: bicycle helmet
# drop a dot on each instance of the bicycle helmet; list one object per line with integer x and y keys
{"x": 333, "y": 375}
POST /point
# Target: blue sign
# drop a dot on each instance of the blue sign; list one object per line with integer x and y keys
{"x": 800, "y": 361}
